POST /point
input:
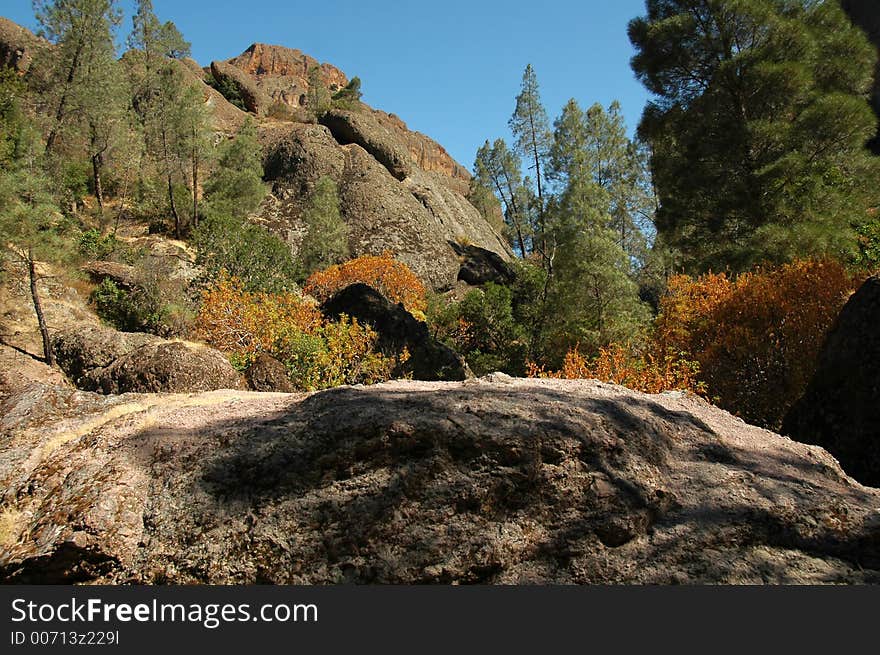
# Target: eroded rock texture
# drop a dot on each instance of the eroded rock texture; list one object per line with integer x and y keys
{"x": 489, "y": 481}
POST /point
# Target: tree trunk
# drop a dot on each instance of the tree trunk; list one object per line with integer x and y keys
{"x": 177, "y": 231}
{"x": 195, "y": 175}
{"x": 96, "y": 174}
{"x": 48, "y": 353}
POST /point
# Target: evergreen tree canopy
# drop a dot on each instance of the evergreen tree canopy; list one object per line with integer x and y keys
{"x": 757, "y": 128}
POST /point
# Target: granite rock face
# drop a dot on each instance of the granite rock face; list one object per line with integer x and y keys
{"x": 496, "y": 480}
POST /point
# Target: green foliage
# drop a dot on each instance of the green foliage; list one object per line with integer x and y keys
{"x": 115, "y": 306}
{"x": 158, "y": 303}
{"x": 757, "y": 128}
{"x": 236, "y": 187}
{"x": 260, "y": 260}
{"x": 349, "y": 96}
{"x": 228, "y": 89}
{"x": 170, "y": 109}
{"x": 499, "y": 169}
{"x": 326, "y": 239}
{"x": 93, "y": 245}
{"x": 319, "y": 100}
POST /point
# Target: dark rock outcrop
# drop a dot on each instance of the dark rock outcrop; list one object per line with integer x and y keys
{"x": 479, "y": 266}
{"x": 268, "y": 374}
{"x": 493, "y": 481}
{"x": 398, "y": 329}
{"x": 104, "y": 360}
{"x": 840, "y": 409}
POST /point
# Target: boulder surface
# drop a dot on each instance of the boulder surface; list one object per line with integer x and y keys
{"x": 496, "y": 480}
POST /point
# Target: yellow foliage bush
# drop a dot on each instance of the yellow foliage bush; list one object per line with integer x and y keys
{"x": 317, "y": 353}
{"x": 619, "y": 364}
{"x": 392, "y": 278}
{"x": 749, "y": 343}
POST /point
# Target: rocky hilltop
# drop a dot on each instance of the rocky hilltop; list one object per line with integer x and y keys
{"x": 494, "y": 480}
{"x": 400, "y": 191}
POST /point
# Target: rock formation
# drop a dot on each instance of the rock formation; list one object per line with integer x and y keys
{"x": 489, "y": 481}
{"x": 268, "y": 74}
{"x": 840, "y": 409}
{"x": 17, "y": 46}
{"x": 398, "y": 329}
{"x": 111, "y": 362}
{"x": 388, "y": 202}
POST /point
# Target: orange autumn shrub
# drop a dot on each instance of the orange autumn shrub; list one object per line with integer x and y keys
{"x": 757, "y": 337}
{"x": 392, "y": 278}
{"x": 618, "y": 364}
{"x": 317, "y": 353}
{"x": 245, "y": 323}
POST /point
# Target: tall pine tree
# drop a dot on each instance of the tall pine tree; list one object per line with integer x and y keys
{"x": 757, "y": 128}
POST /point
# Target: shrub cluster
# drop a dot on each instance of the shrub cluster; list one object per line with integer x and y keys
{"x": 390, "y": 277}
{"x": 317, "y": 353}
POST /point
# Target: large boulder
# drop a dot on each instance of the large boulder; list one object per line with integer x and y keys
{"x": 253, "y": 97}
{"x": 492, "y": 481}
{"x": 363, "y": 129}
{"x": 840, "y": 409}
{"x": 104, "y": 360}
{"x": 398, "y": 329}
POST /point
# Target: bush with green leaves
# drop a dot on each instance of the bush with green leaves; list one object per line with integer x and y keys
{"x": 262, "y": 261}
{"x": 158, "y": 302}
{"x": 95, "y": 246}
{"x": 482, "y": 328}
{"x": 226, "y": 88}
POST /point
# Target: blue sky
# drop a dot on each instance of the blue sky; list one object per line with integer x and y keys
{"x": 449, "y": 69}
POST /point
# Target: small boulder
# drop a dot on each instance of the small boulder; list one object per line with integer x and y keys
{"x": 840, "y": 409}
{"x": 268, "y": 374}
{"x": 398, "y": 329}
